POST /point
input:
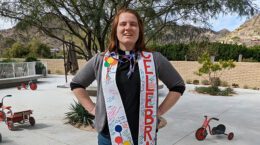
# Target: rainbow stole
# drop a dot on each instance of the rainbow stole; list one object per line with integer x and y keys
{"x": 117, "y": 121}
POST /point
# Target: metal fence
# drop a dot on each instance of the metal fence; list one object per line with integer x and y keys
{"x": 17, "y": 69}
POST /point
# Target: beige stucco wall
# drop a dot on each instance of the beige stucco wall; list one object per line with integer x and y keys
{"x": 245, "y": 73}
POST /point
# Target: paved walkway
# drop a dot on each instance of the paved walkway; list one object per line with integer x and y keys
{"x": 239, "y": 113}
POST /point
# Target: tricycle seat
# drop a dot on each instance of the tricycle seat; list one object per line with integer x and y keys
{"x": 220, "y": 129}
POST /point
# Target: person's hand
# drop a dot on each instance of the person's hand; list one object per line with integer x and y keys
{"x": 93, "y": 110}
{"x": 161, "y": 122}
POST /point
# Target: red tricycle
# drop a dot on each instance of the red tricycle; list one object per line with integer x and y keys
{"x": 201, "y": 133}
{"x": 26, "y": 85}
{"x": 10, "y": 117}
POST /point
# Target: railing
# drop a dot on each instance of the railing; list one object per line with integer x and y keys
{"x": 17, "y": 69}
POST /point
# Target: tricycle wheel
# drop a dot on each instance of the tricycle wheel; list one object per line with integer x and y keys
{"x": 24, "y": 85}
{"x": 31, "y": 121}
{"x": 10, "y": 125}
{"x": 33, "y": 86}
{"x": 2, "y": 116}
{"x": 201, "y": 134}
{"x": 230, "y": 136}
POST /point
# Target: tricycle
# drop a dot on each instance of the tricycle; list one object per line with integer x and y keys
{"x": 26, "y": 85}
{"x": 201, "y": 133}
{"x": 10, "y": 117}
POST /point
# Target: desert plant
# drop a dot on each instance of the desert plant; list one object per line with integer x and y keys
{"x": 188, "y": 81}
{"x": 215, "y": 91}
{"x": 235, "y": 85}
{"x": 8, "y": 60}
{"x": 196, "y": 82}
{"x": 79, "y": 116}
{"x": 213, "y": 69}
{"x": 39, "y": 67}
{"x": 30, "y": 58}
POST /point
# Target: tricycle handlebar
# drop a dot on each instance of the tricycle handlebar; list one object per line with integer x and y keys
{"x": 215, "y": 118}
{"x": 4, "y": 97}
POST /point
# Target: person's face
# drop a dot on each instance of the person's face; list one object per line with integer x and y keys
{"x": 127, "y": 31}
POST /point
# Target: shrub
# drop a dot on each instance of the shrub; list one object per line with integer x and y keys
{"x": 8, "y": 60}
{"x": 79, "y": 116}
{"x": 215, "y": 91}
{"x": 205, "y": 82}
{"x": 196, "y": 82}
{"x": 215, "y": 81}
{"x": 188, "y": 81}
{"x": 226, "y": 92}
{"x": 235, "y": 85}
{"x": 39, "y": 67}
{"x": 30, "y": 59}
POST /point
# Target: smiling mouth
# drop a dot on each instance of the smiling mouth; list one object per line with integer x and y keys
{"x": 127, "y": 34}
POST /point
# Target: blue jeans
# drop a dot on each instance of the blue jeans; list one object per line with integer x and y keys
{"x": 105, "y": 140}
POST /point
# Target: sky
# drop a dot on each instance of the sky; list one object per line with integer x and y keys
{"x": 230, "y": 21}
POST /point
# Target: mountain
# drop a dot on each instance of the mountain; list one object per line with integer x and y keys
{"x": 12, "y": 35}
{"x": 247, "y": 34}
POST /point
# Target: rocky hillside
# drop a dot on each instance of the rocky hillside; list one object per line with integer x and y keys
{"x": 9, "y": 36}
{"x": 247, "y": 34}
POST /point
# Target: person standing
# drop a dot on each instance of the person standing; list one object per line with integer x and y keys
{"x": 127, "y": 110}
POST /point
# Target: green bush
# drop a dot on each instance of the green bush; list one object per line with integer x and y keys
{"x": 196, "y": 82}
{"x": 30, "y": 59}
{"x": 8, "y": 60}
{"x": 19, "y": 50}
{"x": 171, "y": 51}
{"x": 79, "y": 116}
{"x": 221, "y": 51}
{"x": 215, "y": 91}
{"x": 39, "y": 67}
